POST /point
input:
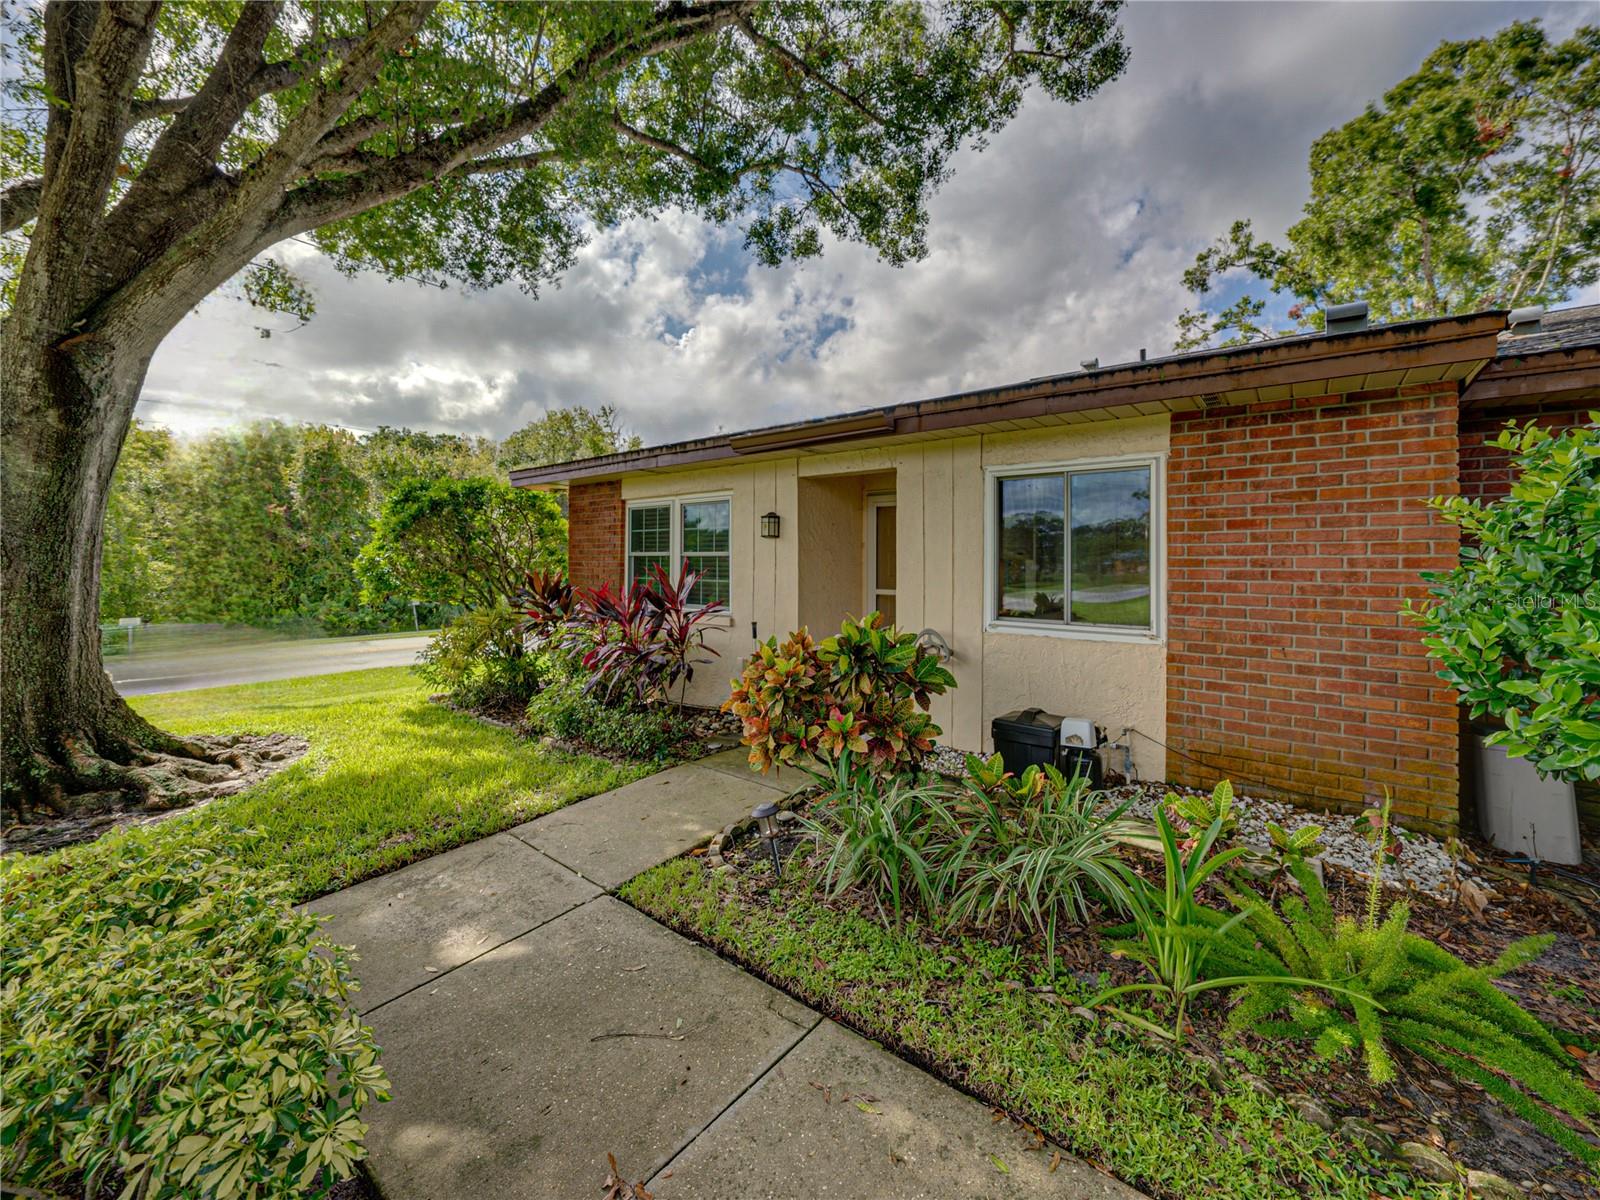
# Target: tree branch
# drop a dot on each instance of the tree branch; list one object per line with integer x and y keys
{"x": 504, "y": 163}
{"x": 324, "y": 200}
{"x": 77, "y": 177}
{"x": 19, "y": 203}
{"x": 655, "y": 143}
{"x": 762, "y": 42}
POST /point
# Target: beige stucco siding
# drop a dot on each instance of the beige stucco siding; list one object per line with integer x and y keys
{"x": 813, "y": 573}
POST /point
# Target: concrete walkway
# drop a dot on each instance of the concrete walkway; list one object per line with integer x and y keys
{"x": 531, "y": 1024}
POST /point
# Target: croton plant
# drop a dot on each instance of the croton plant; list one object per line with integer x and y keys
{"x": 863, "y": 692}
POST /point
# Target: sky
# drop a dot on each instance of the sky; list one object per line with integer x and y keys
{"x": 1065, "y": 239}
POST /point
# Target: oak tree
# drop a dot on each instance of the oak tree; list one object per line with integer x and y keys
{"x": 156, "y": 152}
{"x": 1474, "y": 184}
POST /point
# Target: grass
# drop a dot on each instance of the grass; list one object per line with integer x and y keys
{"x": 963, "y": 1007}
{"x": 390, "y": 777}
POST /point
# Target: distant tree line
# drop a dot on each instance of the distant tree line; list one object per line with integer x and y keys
{"x": 263, "y": 525}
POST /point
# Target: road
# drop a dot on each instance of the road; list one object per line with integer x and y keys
{"x": 181, "y": 664}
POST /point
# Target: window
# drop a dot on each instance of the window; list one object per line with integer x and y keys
{"x": 670, "y": 533}
{"x": 1075, "y": 547}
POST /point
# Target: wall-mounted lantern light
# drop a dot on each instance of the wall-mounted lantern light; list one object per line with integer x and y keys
{"x": 769, "y": 525}
{"x": 766, "y": 819}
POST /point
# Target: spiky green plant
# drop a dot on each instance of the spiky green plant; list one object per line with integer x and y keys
{"x": 1177, "y": 934}
{"x": 1399, "y": 989}
{"x": 894, "y": 838}
{"x": 1035, "y": 847}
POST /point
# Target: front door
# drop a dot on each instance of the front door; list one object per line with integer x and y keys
{"x": 881, "y": 554}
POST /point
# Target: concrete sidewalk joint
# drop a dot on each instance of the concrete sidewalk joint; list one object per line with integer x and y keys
{"x": 532, "y": 1024}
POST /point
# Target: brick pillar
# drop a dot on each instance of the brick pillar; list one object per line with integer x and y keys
{"x": 594, "y": 534}
{"x": 1296, "y": 531}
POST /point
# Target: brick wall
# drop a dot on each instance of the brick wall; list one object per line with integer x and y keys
{"x": 1486, "y": 471}
{"x": 594, "y": 534}
{"x": 1295, "y": 531}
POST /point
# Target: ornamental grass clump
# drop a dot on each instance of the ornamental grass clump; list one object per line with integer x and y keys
{"x": 171, "y": 1025}
{"x": 1035, "y": 853}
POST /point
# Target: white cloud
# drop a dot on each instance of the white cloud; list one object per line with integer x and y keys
{"x": 1064, "y": 240}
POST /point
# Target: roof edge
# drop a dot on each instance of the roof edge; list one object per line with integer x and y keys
{"x": 1112, "y": 386}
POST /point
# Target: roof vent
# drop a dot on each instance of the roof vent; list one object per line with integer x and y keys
{"x": 1090, "y": 364}
{"x": 1525, "y": 320}
{"x": 1346, "y": 318}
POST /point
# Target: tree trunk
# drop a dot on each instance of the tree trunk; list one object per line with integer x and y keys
{"x": 71, "y": 744}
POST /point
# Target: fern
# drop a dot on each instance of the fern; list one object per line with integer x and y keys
{"x": 1398, "y": 989}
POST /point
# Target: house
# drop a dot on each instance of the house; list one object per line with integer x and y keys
{"x": 1207, "y": 550}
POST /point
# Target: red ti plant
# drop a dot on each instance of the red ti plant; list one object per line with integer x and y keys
{"x": 545, "y": 601}
{"x": 641, "y": 644}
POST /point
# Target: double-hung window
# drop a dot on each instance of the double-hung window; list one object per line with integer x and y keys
{"x": 1075, "y": 547}
{"x": 671, "y": 533}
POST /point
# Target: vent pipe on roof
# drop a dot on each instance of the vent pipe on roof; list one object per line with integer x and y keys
{"x": 1525, "y": 320}
{"x": 1346, "y": 318}
{"x": 1090, "y": 364}
{"x": 1142, "y": 354}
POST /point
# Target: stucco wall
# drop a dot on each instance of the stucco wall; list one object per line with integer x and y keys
{"x": 939, "y": 489}
{"x": 1114, "y": 683}
{"x": 831, "y": 526}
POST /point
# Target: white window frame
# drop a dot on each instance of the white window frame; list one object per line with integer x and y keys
{"x": 994, "y": 623}
{"x": 675, "y": 553}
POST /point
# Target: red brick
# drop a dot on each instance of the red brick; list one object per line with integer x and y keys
{"x": 1312, "y": 682}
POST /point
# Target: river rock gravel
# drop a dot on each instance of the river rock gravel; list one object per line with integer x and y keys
{"x": 1424, "y": 863}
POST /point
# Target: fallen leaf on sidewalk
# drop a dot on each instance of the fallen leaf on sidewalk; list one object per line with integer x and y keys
{"x": 1055, "y": 1161}
{"x": 999, "y": 1165}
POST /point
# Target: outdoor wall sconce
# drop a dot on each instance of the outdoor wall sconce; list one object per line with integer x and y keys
{"x": 769, "y": 525}
{"x": 766, "y": 819}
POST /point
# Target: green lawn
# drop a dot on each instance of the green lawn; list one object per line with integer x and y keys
{"x": 390, "y": 777}
{"x": 963, "y": 1007}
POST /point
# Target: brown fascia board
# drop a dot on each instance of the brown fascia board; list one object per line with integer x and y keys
{"x": 1289, "y": 361}
{"x": 1570, "y": 373}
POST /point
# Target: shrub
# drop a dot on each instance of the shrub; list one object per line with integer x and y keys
{"x": 640, "y": 645}
{"x": 566, "y": 709}
{"x": 479, "y": 659}
{"x": 864, "y": 692}
{"x": 1515, "y": 626}
{"x": 1035, "y": 843}
{"x": 168, "y": 1015}
{"x": 1402, "y": 989}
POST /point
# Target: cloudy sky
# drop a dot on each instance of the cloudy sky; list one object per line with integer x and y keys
{"x": 1064, "y": 240}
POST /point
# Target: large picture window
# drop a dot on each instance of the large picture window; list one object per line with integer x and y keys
{"x": 1076, "y": 547}
{"x": 670, "y": 533}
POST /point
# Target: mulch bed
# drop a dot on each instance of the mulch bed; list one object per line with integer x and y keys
{"x": 1424, "y": 1105}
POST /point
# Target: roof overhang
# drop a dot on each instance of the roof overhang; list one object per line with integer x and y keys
{"x": 1461, "y": 345}
{"x": 1564, "y": 375}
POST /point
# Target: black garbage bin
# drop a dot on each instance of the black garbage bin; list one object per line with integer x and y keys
{"x": 1029, "y": 737}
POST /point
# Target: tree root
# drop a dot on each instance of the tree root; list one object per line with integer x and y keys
{"x": 85, "y": 792}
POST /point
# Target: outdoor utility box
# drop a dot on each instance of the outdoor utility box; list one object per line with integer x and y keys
{"x": 1033, "y": 737}
{"x": 1523, "y": 812}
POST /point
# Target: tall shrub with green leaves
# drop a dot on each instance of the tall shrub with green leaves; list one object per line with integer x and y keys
{"x": 1397, "y": 989}
{"x": 1515, "y": 626}
{"x": 168, "y": 1016}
